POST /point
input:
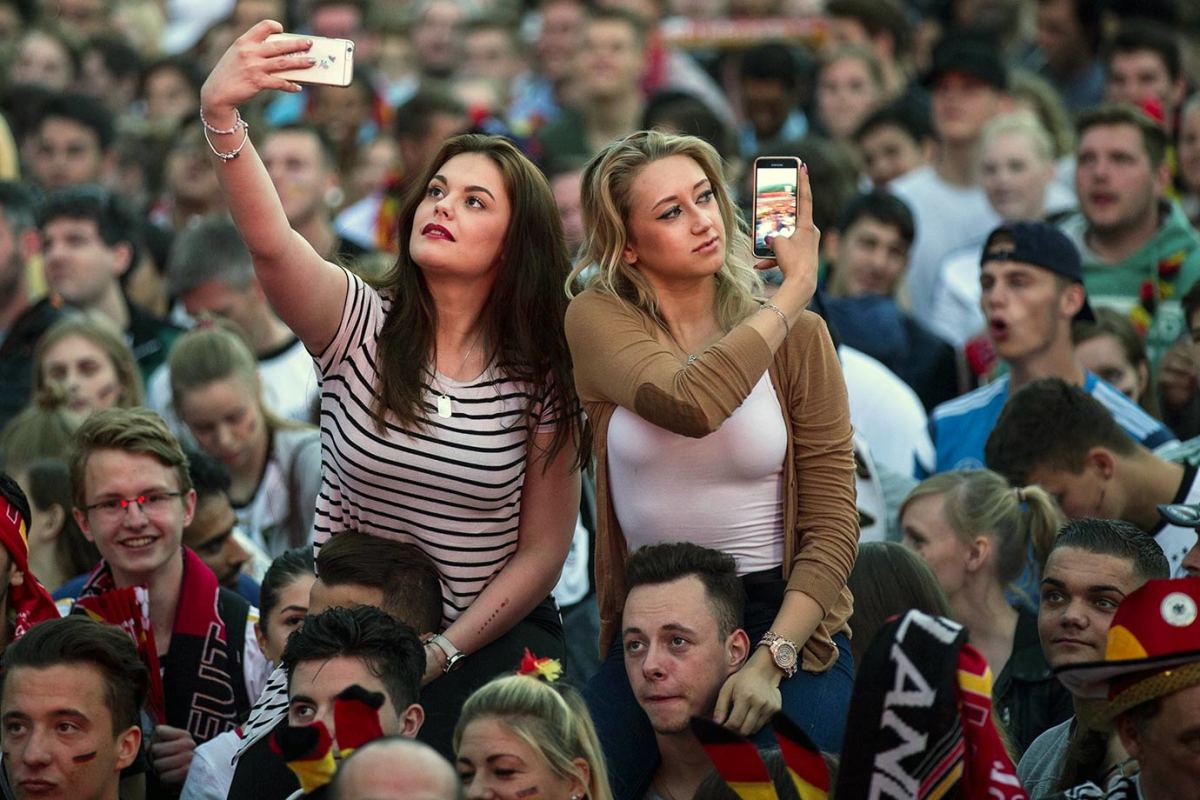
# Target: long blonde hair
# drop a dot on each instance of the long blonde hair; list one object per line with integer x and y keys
{"x": 551, "y": 718}
{"x": 607, "y": 188}
{"x": 980, "y": 502}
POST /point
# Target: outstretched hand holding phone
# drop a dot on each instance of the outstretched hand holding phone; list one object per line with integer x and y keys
{"x": 796, "y": 254}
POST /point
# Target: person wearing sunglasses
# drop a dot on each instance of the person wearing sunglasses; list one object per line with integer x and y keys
{"x": 133, "y": 498}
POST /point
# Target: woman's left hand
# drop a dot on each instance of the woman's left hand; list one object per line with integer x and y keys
{"x": 750, "y": 696}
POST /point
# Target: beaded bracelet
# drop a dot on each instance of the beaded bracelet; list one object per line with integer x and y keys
{"x": 787, "y": 328}
{"x": 238, "y": 123}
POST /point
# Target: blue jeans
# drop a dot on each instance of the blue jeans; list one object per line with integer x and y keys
{"x": 817, "y": 702}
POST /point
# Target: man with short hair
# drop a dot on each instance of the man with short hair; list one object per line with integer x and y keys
{"x": 1149, "y": 680}
{"x": 867, "y": 255}
{"x": 210, "y": 272}
{"x": 968, "y": 85}
{"x": 72, "y": 143}
{"x": 492, "y": 49}
{"x": 133, "y": 498}
{"x": 19, "y": 244}
{"x": 1144, "y": 69}
{"x": 681, "y": 592}
{"x": 608, "y": 73}
{"x": 396, "y": 768}
{"x": 894, "y": 141}
{"x": 213, "y": 532}
{"x": 1092, "y": 566}
{"x": 770, "y": 99}
{"x": 1140, "y": 254}
{"x": 70, "y": 704}
{"x": 1032, "y": 289}
{"x": 1061, "y": 438}
{"x": 1069, "y": 36}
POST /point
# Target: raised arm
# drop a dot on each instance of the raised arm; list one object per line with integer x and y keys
{"x": 305, "y": 290}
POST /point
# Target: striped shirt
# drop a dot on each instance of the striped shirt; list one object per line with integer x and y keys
{"x": 452, "y": 487}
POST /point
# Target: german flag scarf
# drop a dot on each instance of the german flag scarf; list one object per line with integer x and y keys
{"x": 28, "y": 601}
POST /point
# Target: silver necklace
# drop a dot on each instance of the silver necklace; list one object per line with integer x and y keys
{"x": 443, "y": 400}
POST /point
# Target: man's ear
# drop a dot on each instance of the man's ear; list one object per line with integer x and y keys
{"x": 29, "y": 243}
{"x": 189, "y": 507}
{"x": 737, "y": 649}
{"x": 1071, "y": 300}
{"x": 15, "y": 576}
{"x": 129, "y": 743}
{"x": 123, "y": 256}
{"x": 1162, "y": 179}
{"x": 831, "y": 240}
{"x": 1131, "y": 738}
{"x": 82, "y": 521}
{"x": 411, "y": 721}
{"x": 1102, "y": 461}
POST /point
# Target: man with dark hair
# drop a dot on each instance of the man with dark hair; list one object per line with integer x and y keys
{"x": 683, "y": 637}
{"x": 1069, "y": 37}
{"x": 210, "y": 271}
{"x": 1147, "y": 686}
{"x": 111, "y": 71}
{"x": 213, "y": 533}
{"x": 354, "y": 568}
{"x": 1093, "y": 564}
{"x": 70, "y": 703}
{"x": 72, "y": 143}
{"x": 894, "y": 140}
{"x": 868, "y": 254}
{"x": 968, "y": 87}
{"x": 770, "y": 98}
{"x": 1140, "y": 253}
{"x": 395, "y": 768}
{"x": 89, "y": 242}
{"x": 341, "y": 647}
{"x": 1032, "y": 289}
{"x": 1144, "y": 69}
{"x": 1061, "y": 438}
{"x": 301, "y": 162}
{"x": 133, "y": 498}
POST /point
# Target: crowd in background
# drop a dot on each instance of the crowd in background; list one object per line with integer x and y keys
{"x": 347, "y": 403}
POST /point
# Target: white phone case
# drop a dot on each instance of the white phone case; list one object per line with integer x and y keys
{"x": 335, "y": 61}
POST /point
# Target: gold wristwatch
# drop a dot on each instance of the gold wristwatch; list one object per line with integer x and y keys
{"x": 784, "y": 652}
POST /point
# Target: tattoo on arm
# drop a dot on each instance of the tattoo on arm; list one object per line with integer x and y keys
{"x": 503, "y": 605}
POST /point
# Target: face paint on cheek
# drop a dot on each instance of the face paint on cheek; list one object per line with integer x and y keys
{"x": 83, "y": 758}
{"x": 106, "y": 391}
{"x": 530, "y": 792}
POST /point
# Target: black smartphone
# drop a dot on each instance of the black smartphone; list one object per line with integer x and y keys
{"x": 775, "y": 184}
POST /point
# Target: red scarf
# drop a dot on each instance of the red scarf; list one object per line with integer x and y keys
{"x": 28, "y": 600}
{"x": 198, "y": 685}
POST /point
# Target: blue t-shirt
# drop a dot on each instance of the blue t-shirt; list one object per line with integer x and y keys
{"x": 959, "y": 428}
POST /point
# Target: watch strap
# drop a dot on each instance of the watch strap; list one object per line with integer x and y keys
{"x": 453, "y": 654}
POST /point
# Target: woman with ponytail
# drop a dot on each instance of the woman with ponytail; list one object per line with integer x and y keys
{"x": 544, "y": 733}
{"x": 274, "y": 464}
{"x": 975, "y": 532}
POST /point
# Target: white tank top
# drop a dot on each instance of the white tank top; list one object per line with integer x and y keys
{"x": 723, "y": 491}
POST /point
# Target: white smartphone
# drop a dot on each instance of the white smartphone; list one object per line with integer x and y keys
{"x": 775, "y": 186}
{"x": 335, "y": 61}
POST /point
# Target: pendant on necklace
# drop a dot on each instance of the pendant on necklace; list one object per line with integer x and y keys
{"x": 443, "y": 406}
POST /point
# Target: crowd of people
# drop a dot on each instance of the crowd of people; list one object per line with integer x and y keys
{"x": 441, "y": 435}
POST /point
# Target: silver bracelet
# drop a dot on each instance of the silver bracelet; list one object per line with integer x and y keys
{"x": 237, "y": 123}
{"x": 787, "y": 327}
{"x": 231, "y": 154}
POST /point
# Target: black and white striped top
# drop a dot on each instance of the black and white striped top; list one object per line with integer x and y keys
{"x": 452, "y": 488}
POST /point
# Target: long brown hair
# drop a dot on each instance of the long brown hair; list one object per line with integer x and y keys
{"x": 523, "y": 315}
{"x": 104, "y": 334}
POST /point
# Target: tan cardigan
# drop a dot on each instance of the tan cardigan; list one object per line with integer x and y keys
{"x": 619, "y": 361}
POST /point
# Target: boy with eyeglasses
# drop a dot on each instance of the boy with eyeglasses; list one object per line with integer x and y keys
{"x": 133, "y": 498}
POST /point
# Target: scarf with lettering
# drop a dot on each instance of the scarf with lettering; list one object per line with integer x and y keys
{"x": 28, "y": 601}
{"x": 929, "y": 695}
{"x": 196, "y": 685}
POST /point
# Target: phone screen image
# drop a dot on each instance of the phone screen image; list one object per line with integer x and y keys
{"x": 774, "y": 205}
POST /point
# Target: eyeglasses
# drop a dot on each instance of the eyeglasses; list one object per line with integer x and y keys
{"x": 151, "y": 504}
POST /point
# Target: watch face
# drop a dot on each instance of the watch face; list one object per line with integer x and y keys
{"x": 785, "y": 656}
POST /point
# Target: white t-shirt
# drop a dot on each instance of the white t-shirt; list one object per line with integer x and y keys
{"x": 723, "y": 491}
{"x": 883, "y": 410}
{"x": 1174, "y": 540}
{"x": 947, "y": 217}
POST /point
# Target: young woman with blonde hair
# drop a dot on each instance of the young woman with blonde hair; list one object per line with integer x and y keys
{"x": 88, "y": 357}
{"x": 274, "y": 464}
{"x": 976, "y": 533}
{"x": 520, "y": 736}
{"x": 719, "y": 419}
